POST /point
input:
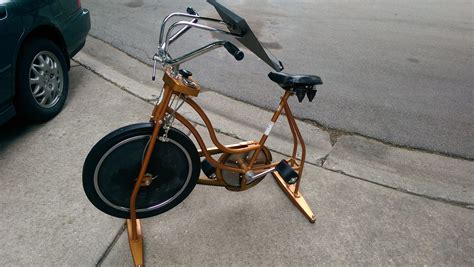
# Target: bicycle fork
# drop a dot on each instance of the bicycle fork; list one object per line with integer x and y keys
{"x": 133, "y": 224}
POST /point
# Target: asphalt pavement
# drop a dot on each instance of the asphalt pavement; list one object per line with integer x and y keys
{"x": 375, "y": 204}
{"x": 396, "y": 71}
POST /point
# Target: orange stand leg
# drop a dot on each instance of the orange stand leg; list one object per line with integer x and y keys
{"x": 136, "y": 245}
{"x": 295, "y": 197}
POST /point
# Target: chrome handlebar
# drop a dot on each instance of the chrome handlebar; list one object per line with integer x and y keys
{"x": 193, "y": 54}
{"x": 164, "y": 58}
{"x": 182, "y": 31}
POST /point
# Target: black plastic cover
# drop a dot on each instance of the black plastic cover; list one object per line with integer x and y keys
{"x": 238, "y": 26}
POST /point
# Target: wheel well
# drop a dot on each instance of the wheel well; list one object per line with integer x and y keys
{"x": 51, "y": 33}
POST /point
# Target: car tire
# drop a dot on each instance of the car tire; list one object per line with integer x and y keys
{"x": 42, "y": 80}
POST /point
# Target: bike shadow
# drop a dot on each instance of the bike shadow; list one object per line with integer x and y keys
{"x": 13, "y": 131}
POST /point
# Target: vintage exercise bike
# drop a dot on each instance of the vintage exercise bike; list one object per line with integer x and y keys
{"x": 145, "y": 169}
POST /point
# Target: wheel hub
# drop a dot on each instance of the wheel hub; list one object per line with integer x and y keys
{"x": 147, "y": 179}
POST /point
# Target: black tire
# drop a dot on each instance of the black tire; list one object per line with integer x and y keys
{"x": 112, "y": 166}
{"x": 54, "y": 82}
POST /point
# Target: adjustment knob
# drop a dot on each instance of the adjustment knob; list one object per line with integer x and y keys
{"x": 185, "y": 73}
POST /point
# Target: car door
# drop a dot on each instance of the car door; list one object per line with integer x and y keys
{"x": 11, "y": 29}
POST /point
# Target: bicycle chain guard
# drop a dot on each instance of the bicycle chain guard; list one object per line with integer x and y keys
{"x": 232, "y": 179}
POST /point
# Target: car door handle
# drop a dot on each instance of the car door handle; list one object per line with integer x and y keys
{"x": 3, "y": 12}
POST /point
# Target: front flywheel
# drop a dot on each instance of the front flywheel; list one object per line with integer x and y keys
{"x": 112, "y": 166}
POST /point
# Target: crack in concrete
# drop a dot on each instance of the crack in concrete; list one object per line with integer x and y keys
{"x": 461, "y": 204}
{"x": 128, "y": 54}
{"x": 335, "y": 133}
{"x": 321, "y": 161}
{"x": 150, "y": 101}
{"x": 112, "y": 244}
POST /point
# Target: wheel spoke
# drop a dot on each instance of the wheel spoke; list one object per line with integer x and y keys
{"x": 36, "y": 72}
{"x": 57, "y": 87}
{"x": 35, "y": 80}
{"x": 53, "y": 95}
{"x": 57, "y": 92}
{"x": 38, "y": 91}
{"x": 51, "y": 64}
{"x": 43, "y": 101}
{"x": 36, "y": 66}
{"x": 54, "y": 67}
{"x": 41, "y": 60}
{"x": 47, "y": 62}
{"x": 47, "y": 97}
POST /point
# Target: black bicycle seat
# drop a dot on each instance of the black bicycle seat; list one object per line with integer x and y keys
{"x": 288, "y": 81}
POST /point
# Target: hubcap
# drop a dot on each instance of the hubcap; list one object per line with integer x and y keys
{"x": 46, "y": 79}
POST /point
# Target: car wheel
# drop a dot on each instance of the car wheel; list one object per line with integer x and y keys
{"x": 42, "y": 80}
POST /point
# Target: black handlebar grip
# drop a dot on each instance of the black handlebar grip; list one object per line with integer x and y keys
{"x": 234, "y": 51}
{"x": 190, "y": 11}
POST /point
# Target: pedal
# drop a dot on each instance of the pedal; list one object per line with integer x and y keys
{"x": 208, "y": 169}
{"x": 286, "y": 172}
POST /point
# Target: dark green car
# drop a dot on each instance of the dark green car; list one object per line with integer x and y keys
{"x": 37, "y": 40}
